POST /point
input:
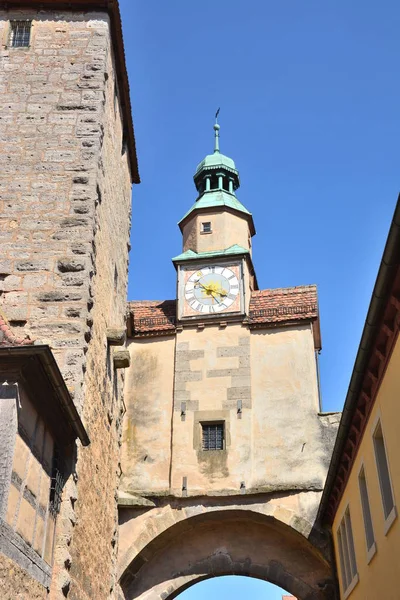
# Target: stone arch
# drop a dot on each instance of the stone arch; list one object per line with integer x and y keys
{"x": 237, "y": 541}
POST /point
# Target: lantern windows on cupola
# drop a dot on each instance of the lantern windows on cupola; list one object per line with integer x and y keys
{"x": 216, "y": 171}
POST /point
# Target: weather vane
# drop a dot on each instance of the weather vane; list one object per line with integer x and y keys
{"x": 216, "y": 129}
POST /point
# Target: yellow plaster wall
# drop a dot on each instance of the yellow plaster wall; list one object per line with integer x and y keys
{"x": 378, "y": 579}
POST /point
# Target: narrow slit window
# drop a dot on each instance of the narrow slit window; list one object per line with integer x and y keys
{"x": 369, "y": 530}
{"x": 212, "y": 436}
{"x": 347, "y": 554}
{"x": 206, "y": 227}
{"x": 20, "y": 34}
{"x": 383, "y": 471}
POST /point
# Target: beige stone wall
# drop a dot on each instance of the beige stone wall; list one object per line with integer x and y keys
{"x": 227, "y": 229}
{"x": 288, "y": 449}
{"x": 146, "y": 449}
{"x": 262, "y": 384}
{"x": 64, "y": 230}
{"x": 14, "y": 583}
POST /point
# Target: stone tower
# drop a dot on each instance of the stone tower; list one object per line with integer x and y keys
{"x": 225, "y": 449}
{"x": 68, "y": 162}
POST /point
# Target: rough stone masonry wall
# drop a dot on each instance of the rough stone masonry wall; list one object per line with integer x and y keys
{"x": 64, "y": 229}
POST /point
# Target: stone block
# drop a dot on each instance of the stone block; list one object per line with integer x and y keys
{"x": 184, "y": 376}
{"x": 33, "y": 281}
{"x": 238, "y": 393}
{"x": 116, "y": 337}
{"x": 122, "y": 359}
{"x": 230, "y": 351}
{"x": 70, "y": 265}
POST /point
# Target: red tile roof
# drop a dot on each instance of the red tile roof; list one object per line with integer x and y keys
{"x": 283, "y": 304}
{"x": 8, "y": 338}
{"x": 272, "y": 306}
{"x": 153, "y": 317}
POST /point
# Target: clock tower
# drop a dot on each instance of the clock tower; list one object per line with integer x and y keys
{"x": 222, "y": 397}
{"x": 215, "y": 270}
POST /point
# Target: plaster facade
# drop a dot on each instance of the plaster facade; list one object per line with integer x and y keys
{"x": 227, "y": 229}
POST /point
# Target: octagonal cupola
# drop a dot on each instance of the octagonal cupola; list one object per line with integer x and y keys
{"x": 216, "y": 171}
{"x": 217, "y": 221}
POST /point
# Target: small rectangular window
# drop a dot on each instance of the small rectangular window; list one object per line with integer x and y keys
{"x": 212, "y": 436}
{"x": 347, "y": 554}
{"x": 369, "y": 530}
{"x": 206, "y": 227}
{"x": 20, "y": 34}
{"x": 383, "y": 473}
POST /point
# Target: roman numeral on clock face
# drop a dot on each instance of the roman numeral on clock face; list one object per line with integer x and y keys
{"x": 195, "y": 305}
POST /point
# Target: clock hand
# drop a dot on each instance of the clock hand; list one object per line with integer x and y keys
{"x": 212, "y": 294}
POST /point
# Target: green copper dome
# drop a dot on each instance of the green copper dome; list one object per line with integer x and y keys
{"x": 216, "y": 160}
{"x": 217, "y": 180}
{"x": 216, "y": 171}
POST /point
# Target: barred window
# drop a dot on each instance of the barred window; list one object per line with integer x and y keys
{"x": 20, "y": 34}
{"x": 56, "y": 483}
{"x": 213, "y": 436}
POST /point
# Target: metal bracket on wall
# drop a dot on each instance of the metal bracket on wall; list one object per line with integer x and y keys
{"x": 183, "y": 411}
{"x": 239, "y": 409}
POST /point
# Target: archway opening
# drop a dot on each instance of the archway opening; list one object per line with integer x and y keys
{"x": 220, "y": 542}
{"x": 235, "y": 588}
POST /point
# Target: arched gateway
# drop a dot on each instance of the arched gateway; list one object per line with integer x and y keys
{"x": 225, "y": 449}
{"x": 177, "y": 547}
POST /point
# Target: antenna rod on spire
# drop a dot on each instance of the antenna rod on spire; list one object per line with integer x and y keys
{"x": 216, "y": 129}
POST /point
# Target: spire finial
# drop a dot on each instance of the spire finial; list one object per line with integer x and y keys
{"x": 216, "y": 129}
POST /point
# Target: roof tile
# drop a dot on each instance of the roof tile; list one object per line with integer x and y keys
{"x": 283, "y": 304}
{"x": 271, "y": 306}
{"x": 153, "y": 316}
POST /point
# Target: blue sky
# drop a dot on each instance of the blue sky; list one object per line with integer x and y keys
{"x": 222, "y": 588}
{"x": 309, "y": 95}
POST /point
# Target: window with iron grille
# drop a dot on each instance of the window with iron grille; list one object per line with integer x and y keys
{"x": 20, "y": 34}
{"x": 212, "y": 436}
{"x": 56, "y": 483}
{"x": 206, "y": 227}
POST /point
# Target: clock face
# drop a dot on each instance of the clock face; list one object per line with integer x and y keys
{"x": 212, "y": 289}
